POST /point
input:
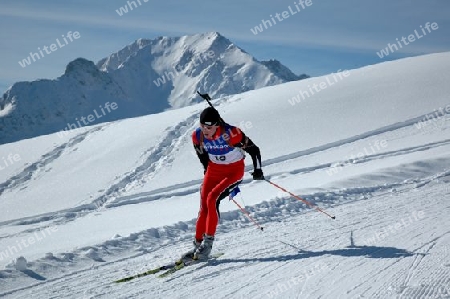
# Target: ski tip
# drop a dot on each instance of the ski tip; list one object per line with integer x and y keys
{"x": 333, "y": 217}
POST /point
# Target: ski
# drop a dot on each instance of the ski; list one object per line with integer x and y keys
{"x": 187, "y": 263}
{"x": 150, "y": 272}
{"x": 178, "y": 267}
{"x": 169, "y": 269}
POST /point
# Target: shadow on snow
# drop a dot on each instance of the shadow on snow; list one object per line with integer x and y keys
{"x": 350, "y": 251}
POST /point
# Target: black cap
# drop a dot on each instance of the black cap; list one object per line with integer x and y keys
{"x": 210, "y": 117}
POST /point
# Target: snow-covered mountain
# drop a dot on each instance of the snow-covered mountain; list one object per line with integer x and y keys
{"x": 282, "y": 71}
{"x": 207, "y": 62}
{"x": 148, "y": 76}
{"x": 371, "y": 147}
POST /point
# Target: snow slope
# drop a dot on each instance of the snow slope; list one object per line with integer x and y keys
{"x": 116, "y": 199}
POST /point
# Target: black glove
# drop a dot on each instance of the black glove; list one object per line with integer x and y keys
{"x": 258, "y": 174}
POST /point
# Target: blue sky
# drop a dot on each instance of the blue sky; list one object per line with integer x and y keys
{"x": 319, "y": 39}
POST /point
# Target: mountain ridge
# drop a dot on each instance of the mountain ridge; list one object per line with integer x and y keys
{"x": 145, "y": 77}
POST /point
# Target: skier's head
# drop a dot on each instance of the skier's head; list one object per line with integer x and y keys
{"x": 209, "y": 121}
{"x": 210, "y": 117}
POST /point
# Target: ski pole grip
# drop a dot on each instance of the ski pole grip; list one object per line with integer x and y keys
{"x": 204, "y": 96}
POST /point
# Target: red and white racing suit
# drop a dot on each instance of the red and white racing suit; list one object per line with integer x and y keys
{"x": 223, "y": 160}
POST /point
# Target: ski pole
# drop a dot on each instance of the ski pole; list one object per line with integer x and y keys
{"x": 246, "y": 213}
{"x": 232, "y": 194}
{"x": 301, "y": 199}
{"x": 260, "y": 227}
{"x": 207, "y": 98}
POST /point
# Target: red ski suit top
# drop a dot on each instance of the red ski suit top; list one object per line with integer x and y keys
{"x": 223, "y": 160}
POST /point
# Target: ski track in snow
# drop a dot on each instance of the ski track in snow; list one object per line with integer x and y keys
{"x": 281, "y": 211}
{"x": 163, "y": 154}
{"x": 379, "y": 131}
{"x": 192, "y": 186}
{"x": 33, "y": 170}
{"x": 157, "y": 157}
{"x": 279, "y": 252}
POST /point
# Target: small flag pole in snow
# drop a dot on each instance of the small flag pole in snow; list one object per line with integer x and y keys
{"x": 231, "y": 197}
{"x": 301, "y": 199}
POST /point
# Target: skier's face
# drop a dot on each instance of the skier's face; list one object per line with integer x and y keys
{"x": 208, "y": 131}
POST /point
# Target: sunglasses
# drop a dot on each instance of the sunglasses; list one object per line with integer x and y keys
{"x": 207, "y": 127}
